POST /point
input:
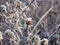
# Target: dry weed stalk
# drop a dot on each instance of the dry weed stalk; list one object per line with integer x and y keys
{"x": 37, "y": 40}
{"x": 28, "y": 40}
{"x": 41, "y": 19}
{"x": 1, "y": 38}
{"x": 44, "y": 41}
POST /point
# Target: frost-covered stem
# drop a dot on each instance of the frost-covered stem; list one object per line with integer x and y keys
{"x": 18, "y": 38}
{"x": 9, "y": 4}
{"x": 35, "y": 34}
{"x": 28, "y": 40}
{"x": 44, "y": 29}
{"x": 52, "y": 4}
{"x": 15, "y": 3}
{"x": 29, "y": 28}
{"x": 41, "y": 19}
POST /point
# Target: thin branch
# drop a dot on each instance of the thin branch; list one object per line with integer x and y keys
{"x": 52, "y": 3}
{"x": 35, "y": 34}
{"x": 41, "y": 19}
{"x": 53, "y": 32}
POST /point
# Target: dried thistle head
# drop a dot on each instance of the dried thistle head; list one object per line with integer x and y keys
{"x": 1, "y": 37}
{"x": 17, "y": 37}
{"x": 19, "y": 4}
{"x": 9, "y": 34}
{"x": 45, "y": 41}
{"x": 37, "y": 37}
{"x": 28, "y": 21}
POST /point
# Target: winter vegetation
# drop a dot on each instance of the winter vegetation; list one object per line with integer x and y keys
{"x": 29, "y": 22}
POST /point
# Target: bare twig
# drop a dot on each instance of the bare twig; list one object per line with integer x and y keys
{"x": 52, "y": 3}
{"x": 41, "y": 19}
{"x": 53, "y": 33}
